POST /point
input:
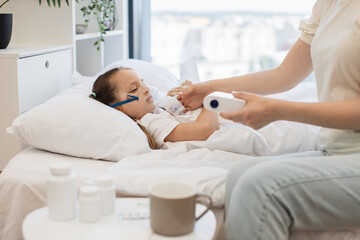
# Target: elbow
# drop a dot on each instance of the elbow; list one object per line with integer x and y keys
{"x": 208, "y": 130}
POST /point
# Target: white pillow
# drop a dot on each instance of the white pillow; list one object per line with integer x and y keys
{"x": 71, "y": 123}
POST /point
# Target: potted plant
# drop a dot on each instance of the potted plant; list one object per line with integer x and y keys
{"x": 104, "y": 12}
{"x": 6, "y": 23}
{"x": 5, "y": 27}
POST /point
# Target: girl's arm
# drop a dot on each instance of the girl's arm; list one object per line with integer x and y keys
{"x": 205, "y": 124}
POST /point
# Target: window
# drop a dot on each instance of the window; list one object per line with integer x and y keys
{"x": 227, "y": 37}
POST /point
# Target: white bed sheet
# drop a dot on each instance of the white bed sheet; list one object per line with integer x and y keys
{"x": 22, "y": 184}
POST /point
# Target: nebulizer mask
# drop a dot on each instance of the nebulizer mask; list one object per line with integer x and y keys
{"x": 172, "y": 105}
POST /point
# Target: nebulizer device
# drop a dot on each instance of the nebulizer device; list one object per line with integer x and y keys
{"x": 172, "y": 105}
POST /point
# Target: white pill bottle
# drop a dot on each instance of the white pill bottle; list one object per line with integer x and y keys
{"x": 61, "y": 192}
{"x": 89, "y": 204}
{"x": 107, "y": 194}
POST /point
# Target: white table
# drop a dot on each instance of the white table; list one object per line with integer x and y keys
{"x": 38, "y": 226}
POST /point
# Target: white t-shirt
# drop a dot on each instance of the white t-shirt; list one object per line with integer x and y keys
{"x": 333, "y": 31}
{"x": 161, "y": 123}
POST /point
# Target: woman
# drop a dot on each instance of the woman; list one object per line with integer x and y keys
{"x": 268, "y": 197}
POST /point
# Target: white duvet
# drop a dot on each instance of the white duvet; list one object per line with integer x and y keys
{"x": 204, "y": 168}
{"x": 206, "y": 163}
{"x": 277, "y": 138}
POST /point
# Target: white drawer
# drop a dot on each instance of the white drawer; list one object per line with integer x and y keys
{"x": 43, "y": 76}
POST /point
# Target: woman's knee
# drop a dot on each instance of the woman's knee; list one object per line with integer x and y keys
{"x": 236, "y": 172}
{"x": 260, "y": 180}
{"x": 239, "y": 169}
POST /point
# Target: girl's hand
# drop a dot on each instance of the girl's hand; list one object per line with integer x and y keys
{"x": 258, "y": 112}
{"x": 192, "y": 97}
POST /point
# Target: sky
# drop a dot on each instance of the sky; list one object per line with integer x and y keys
{"x": 289, "y": 6}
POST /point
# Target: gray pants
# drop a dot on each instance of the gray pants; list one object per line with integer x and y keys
{"x": 266, "y": 197}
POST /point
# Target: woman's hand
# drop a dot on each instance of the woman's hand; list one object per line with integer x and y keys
{"x": 258, "y": 112}
{"x": 192, "y": 97}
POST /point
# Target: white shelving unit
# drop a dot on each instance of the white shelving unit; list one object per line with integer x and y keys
{"x": 42, "y": 25}
{"x": 88, "y": 59}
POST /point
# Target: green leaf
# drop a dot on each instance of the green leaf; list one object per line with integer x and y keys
{"x": 55, "y": 2}
{"x": 100, "y": 9}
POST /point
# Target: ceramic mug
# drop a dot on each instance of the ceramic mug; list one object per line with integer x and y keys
{"x": 172, "y": 208}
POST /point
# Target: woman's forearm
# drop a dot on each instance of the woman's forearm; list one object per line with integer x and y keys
{"x": 295, "y": 68}
{"x": 265, "y": 82}
{"x": 336, "y": 114}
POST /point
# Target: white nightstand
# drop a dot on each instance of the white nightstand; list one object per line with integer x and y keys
{"x": 30, "y": 75}
{"x": 38, "y": 226}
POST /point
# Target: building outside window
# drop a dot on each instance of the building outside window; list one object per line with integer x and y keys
{"x": 227, "y": 37}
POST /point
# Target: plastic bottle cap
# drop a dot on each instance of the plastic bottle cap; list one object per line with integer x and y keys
{"x": 88, "y": 191}
{"x": 60, "y": 168}
{"x": 104, "y": 180}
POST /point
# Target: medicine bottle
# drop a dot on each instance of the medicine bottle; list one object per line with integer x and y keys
{"x": 107, "y": 194}
{"x": 61, "y": 192}
{"x": 89, "y": 204}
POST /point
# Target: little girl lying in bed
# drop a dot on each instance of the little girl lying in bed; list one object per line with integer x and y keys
{"x": 122, "y": 89}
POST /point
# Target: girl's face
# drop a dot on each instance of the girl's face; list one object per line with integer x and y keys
{"x": 127, "y": 82}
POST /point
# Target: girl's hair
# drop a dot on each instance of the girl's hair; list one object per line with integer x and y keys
{"x": 104, "y": 92}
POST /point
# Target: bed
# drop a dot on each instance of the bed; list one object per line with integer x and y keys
{"x": 96, "y": 139}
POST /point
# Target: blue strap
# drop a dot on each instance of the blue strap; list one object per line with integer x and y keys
{"x": 130, "y": 99}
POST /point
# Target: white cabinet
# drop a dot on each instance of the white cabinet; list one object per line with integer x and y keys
{"x": 29, "y": 77}
{"x": 43, "y": 76}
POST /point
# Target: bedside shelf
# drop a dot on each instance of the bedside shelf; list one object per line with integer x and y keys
{"x": 87, "y": 36}
{"x": 28, "y": 50}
